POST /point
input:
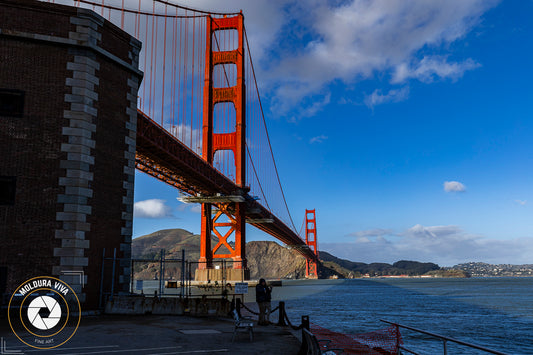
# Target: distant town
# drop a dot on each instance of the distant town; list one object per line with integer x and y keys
{"x": 478, "y": 269}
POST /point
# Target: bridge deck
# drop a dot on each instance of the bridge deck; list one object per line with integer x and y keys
{"x": 166, "y": 158}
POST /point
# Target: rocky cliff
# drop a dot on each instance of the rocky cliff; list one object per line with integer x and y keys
{"x": 271, "y": 260}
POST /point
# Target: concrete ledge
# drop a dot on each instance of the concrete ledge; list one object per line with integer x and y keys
{"x": 130, "y": 305}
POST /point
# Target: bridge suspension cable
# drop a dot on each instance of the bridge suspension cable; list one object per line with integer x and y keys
{"x": 266, "y": 132}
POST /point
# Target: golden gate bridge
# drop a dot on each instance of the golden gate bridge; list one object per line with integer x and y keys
{"x": 201, "y": 126}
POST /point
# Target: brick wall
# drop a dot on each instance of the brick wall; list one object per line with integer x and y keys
{"x": 72, "y": 152}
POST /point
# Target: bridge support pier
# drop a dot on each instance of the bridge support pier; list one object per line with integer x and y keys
{"x": 220, "y": 274}
{"x": 219, "y": 222}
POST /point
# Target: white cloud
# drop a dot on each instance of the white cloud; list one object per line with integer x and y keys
{"x": 354, "y": 40}
{"x": 376, "y": 232}
{"x": 366, "y": 236}
{"x": 299, "y": 48}
{"x": 395, "y": 95}
{"x": 153, "y": 208}
{"x": 318, "y": 139}
{"x": 454, "y": 186}
{"x": 431, "y": 68}
{"x": 521, "y": 202}
{"x": 444, "y": 245}
{"x": 196, "y": 208}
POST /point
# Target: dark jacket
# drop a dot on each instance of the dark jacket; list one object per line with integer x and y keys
{"x": 262, "y": 293}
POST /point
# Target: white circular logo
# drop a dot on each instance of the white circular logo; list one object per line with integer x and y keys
{"x": 44, "y": 303}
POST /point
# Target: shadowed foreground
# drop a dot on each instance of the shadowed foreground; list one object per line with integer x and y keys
{"x": 163, "y": 335}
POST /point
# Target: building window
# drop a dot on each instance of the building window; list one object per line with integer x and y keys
{"x": 11, "y": 103}
{"x": 8, "y": 186}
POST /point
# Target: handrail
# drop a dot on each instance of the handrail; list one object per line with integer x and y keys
{"x": 444, "y": 339}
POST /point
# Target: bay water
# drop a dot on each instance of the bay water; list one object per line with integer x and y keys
{"x": 496, "y": 313}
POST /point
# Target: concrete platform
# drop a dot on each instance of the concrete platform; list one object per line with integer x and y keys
{"x": 239, "y": 275}
{"x": 160, "y": 334}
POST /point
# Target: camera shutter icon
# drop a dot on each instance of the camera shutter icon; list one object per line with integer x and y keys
{"x": 34, "y": 312}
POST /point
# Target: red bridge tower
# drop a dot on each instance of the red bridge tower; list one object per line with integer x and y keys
{"x": 311, "y": 270}
{"x": 229, "y": 216}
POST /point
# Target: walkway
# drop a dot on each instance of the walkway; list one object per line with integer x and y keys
{"x": 163, "y": 335}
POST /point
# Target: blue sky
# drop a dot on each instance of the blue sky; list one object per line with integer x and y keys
{"x": 405, "y": 124}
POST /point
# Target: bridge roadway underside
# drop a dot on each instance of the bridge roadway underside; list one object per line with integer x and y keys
{"x": 163, "y": 156}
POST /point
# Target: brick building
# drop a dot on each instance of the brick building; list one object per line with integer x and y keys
{"x": 68, "y": 98}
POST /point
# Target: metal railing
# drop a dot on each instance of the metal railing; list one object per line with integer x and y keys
{"x": 444, "y": 339}
{"x": 160, "y": 276}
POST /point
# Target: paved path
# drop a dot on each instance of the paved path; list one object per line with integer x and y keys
{"x": 161, "y": 335}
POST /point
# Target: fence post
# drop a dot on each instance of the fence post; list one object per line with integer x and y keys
{"x": 132, "y": 276}
{"x": 304, "y": 347}
{"x": 238, "y": 306}
{"x": 305, "y": 322}
{"x": 182, "y": 271}
{"x": 113, "y": 272}
{"x": 398, "y": 337}
{"x": 281, "y": 317}
{"x": 102, "y": 281}
{"x": 161, "y": 273}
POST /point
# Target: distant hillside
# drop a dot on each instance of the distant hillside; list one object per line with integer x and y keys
{"x": 355, "y": 269}
{"x": 172, "y": 240}
{"x": 269, "y": 259}
{"x": 478, "y": 269}
{"x": 265, "y": 259}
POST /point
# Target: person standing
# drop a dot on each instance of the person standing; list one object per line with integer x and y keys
{"x": 263, "y": 297}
